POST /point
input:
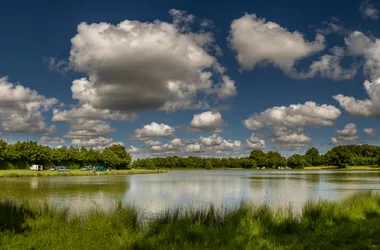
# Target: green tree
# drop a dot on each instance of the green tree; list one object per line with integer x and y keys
{"x": 296, "y": 161}
{"x": 208, "y": 164}
{"x": 148, "y": 164}
{"x": 259, "y": 157}
{"x": 275, "y": 159}
{"x": 340, "y": 156}
{"x": 247, "y": 163}
{"x": 312, "y": 156}
{"x": 122, "y": 154}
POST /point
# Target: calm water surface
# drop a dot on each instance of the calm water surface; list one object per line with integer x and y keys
{"x": 155, "y": 192}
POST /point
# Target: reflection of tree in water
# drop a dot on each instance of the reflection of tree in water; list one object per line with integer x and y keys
{"x": 40, "y": 188}
{"x": 78, "y": 194}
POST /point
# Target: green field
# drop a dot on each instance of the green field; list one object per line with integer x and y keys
{"x": 350, "y": 224}
{"x": 76, "y": 172}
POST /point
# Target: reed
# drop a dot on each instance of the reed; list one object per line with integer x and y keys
{"x": 350, "y": 224}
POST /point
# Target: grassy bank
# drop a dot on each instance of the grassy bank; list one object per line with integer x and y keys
{"x": 347, "y": 168}
{"x": 77, "y": 172}
{"x": 350, "y": 224}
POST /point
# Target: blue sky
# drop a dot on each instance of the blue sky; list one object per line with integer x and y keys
{"x": 195, "y": 78}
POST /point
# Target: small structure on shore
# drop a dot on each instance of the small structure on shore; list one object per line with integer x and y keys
{"x": 36, "y": 167}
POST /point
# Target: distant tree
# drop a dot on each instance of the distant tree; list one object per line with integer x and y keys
{"x": 312, "y": 156}
{"x": 259, "y": 157}
{"x": 296, "y": 161}
{"x": 340, "y": 156}
{"x": 208, "y": 164}
{"x": 247, "y": 163}
{"x": 148, "y": 164}
{"x": 122, "y": 154}
{"x": 275, "y": 159}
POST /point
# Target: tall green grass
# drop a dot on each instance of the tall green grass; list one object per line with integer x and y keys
{"x": 353, "y": 223}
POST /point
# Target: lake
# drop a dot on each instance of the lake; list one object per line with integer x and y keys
{"x": 153, "y": 193}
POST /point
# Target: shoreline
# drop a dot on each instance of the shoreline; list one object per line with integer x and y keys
{"x": 352, "y": 168}
{"x": 19, "y": 173}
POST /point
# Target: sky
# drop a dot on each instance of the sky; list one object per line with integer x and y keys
{"x": 202, "y": 78}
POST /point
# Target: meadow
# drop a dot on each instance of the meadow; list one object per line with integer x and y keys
{"x": 350, "y": 224}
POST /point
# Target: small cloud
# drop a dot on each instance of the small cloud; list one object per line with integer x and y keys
{"x": 368, "y": 10}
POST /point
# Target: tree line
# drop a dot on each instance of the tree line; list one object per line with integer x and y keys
{"x": 340, "y": 156}
{"x": 22, "y": 155}
{"x": 192, "y": 162}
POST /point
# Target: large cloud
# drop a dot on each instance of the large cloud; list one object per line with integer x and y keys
{"x": 360, "y": 45}
{"x": 134, "y": 65}
{"x": 21, "y": 109}
{"x": 345, "y": 136}
{"x": 294, "y": 116}
{"x": 153, "y": 130}
{"x": 256, "y": 41}
{"x": 208, "y": 121}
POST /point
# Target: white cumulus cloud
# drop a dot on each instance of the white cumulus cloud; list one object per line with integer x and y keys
{"x": 208, "y": 121}
{"x": 258, "y": 41}
{"x": 345, "y": 136}
{"x": 368, "y": 107}
{"x": 21, "y": 109}
{"x": 370, "y": 131}
{"x": 125, "y": 70}
{"x": 294, "y": 116}
{"x": 153, "y": 130}
{"x": 255, "y": 142}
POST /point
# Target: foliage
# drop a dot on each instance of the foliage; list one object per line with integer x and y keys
{"x": 344, "y": 156}
{"x": 144, "y": 163}
{"x": 193, "y": 163}
{"x": 312, "y": 156}
{"x": 296, "y": 161}
{"x": 349, "y": 224}
{"x": 275, "y": 159}
{"x": 22, "y": 155}
{"x": 247, "y": 163}
{"x": 259, "y": 157}
{"x": 340, "y": 156}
